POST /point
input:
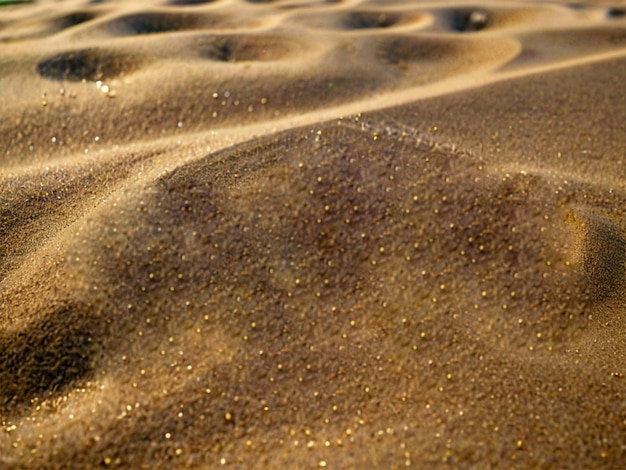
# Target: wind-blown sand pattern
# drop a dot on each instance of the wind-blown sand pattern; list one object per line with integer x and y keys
{"x": 305, "y": 233}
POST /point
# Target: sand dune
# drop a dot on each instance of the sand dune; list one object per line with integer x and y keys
{"x": 300, "y": 234}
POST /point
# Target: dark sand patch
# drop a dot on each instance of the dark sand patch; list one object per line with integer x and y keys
{"x": 88, "y": 64}
{"x": 364, "y": 20}
{"x": 249, "y": 48}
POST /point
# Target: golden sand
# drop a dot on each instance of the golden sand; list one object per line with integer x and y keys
{"x": 306, "y": 233}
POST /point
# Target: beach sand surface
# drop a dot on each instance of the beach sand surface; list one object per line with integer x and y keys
{"x": 306, "y": 233}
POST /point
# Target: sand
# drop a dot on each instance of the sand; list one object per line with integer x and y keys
{"x": 306, "y": 233}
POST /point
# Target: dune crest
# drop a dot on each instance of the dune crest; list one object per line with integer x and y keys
{"x": 601, "y": 254}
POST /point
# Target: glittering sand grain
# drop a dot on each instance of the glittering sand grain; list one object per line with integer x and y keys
{"x": 301, "y": 234}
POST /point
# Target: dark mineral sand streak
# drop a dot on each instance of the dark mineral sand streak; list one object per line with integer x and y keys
{"x": 439, "y": 283}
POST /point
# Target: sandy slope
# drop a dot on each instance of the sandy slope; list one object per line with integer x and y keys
{"x": 293, "y": 234}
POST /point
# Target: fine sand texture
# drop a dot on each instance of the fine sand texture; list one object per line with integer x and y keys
{"x": 351, "y": 234}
